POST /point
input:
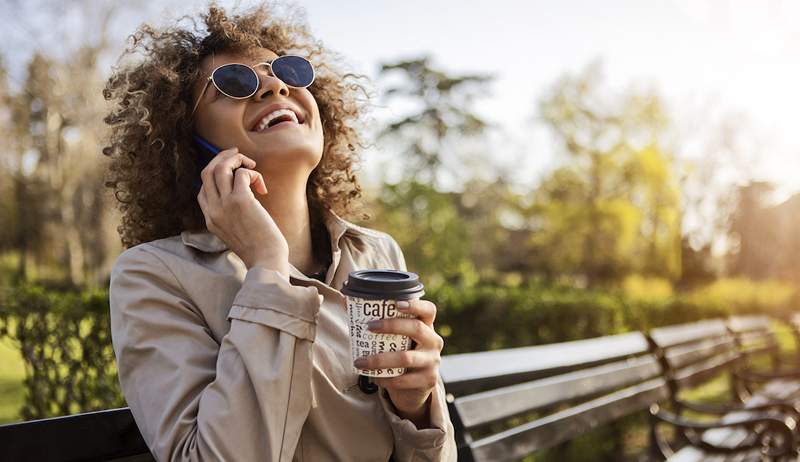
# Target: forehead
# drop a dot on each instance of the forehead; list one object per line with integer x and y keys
{"x": 253, "y": 56}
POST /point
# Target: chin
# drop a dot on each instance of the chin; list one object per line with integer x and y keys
{"x": 290, "y": 155}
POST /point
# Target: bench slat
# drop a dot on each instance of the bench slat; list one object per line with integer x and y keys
{"x": 469, "y": 372}
{"x": 489, "y": 406}
{"x": 670, "y": 336}
{"x": 684, "y": 355}
{"x": 749, "y": 323}
{"x": 548, "y": 431}
{"x": 700, "y": 372}
{"x": 756, "y": 338}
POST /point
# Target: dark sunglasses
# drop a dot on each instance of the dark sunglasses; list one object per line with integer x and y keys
{"x": 240, "y": 81}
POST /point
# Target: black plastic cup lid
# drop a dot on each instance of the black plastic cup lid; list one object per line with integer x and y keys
{"x": 383, "y": 283}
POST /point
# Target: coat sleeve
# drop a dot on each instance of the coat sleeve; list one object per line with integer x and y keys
{"x": 245, "y": 398}
{"x": 437, "y": 443}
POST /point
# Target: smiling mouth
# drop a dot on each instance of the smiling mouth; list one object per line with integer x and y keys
{"x": 283, "y": 123}
{"x": 287, "y": 117}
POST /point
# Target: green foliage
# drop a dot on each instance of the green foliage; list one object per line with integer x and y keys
{"x": 520, "y": 316}
{"x": 455, "y": 238}
{"x": 426, "y": 224}
{"x": 12, "y": 373}
{"x": 614, "y": 210}
{"x": 444, "y": 114}
{"x": 636, "y": 287}
{"x": 65, "y": 341}
{"x": 537, "y": 313}
{"x": 744, "y": 295}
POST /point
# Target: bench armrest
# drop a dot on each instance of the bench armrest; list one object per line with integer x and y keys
{"x": 772, "y": 435}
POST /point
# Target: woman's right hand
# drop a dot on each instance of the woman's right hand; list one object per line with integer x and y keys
{"x": 234, "y": 214}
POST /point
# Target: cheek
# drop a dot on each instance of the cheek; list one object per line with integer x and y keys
{"x": 311, "y": 103}
{"x": 221, "y": 122}
{"x": 316, "y": 126}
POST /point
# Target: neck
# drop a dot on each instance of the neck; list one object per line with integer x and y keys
{"x": 287, "y": 204}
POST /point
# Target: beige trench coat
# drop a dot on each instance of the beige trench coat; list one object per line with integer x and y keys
{"x": 218, "y": 363}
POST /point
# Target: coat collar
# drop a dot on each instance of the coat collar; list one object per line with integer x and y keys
{"x": 209, "y": 242}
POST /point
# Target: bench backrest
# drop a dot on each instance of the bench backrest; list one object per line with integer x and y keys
{"x": 565, "y": 389}
{"x": 109, "y": 435}
{"x": 694, "y": 353}
{"x": 755, "y": 337}
{"x": 794, "y": 321}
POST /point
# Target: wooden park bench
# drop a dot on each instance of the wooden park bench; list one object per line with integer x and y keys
{"x": 757, "y": 339}
{"x": 606, "y": 378}
{"x": 506, "y": 404}
{"x": 695, "y": 353}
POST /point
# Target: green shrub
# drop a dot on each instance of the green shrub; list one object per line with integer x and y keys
{"x": 488, "y": 317}
{"x": 743, "y": 296}
{"x": 65, "y": 341}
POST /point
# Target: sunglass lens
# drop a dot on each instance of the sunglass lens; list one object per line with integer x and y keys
{"x": 236, "y": 80}
{"x": 293, "y": 70}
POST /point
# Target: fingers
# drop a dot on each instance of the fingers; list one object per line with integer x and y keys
{"x": 223, "y": 171}
{"x": 412, "y": 359}
{"x": 201, "y": 199}
{"x": 207, "y": 214}
{"x": 425, "y": 310}
{"x": 243, "y": 178}
{"x": 421, "y": 380}
{"x": 423, "y": 334}
{"x": 225, "y": 159}
{"x": 207, "y": 174}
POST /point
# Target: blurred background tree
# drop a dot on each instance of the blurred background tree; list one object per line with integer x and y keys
{"x": 614, "y": 209}
{"x": 441, "y": 120}
{"x": 449, "y": 236}
{"x": 63, "y": 222}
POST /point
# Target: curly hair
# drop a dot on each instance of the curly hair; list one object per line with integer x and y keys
{"x": 153, "y": 159}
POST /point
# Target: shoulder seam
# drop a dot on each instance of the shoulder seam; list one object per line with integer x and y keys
{"x": 161, "y": 260}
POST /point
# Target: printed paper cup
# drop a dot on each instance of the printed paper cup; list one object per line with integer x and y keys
{"x": 373, "y": 294}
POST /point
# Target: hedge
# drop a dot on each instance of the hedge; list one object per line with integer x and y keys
{"x": 65, "y": 337}
{"x": 65, "y": 342}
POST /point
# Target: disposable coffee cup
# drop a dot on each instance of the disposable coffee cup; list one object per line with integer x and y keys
{"x": 373, "y": 294}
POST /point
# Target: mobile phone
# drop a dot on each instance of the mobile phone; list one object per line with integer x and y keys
{"x": 207, "y": 152}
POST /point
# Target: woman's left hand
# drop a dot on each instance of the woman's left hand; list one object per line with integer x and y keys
{"x": 410, "y": 391}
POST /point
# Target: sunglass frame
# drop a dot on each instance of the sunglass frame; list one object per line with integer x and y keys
{"x": 258, "y": 79}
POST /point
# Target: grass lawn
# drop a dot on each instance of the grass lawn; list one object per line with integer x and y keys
{"x": 12, "y": 372}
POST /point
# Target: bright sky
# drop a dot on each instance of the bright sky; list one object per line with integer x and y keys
{"x": 705, "y": 57}
{"x": 740, "y": 56}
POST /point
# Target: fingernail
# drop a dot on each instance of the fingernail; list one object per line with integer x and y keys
{"x": 403, "y": 305}
{"x": 373, "y": 325}
{"x": 360, "y": 362}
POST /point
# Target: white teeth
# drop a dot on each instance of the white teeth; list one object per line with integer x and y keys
{"x": 277, "y": 113}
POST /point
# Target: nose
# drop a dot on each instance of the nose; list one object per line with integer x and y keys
{"x": 269, "y": 84}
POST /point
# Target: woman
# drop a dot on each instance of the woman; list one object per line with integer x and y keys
{"x": 230, "y": 335}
